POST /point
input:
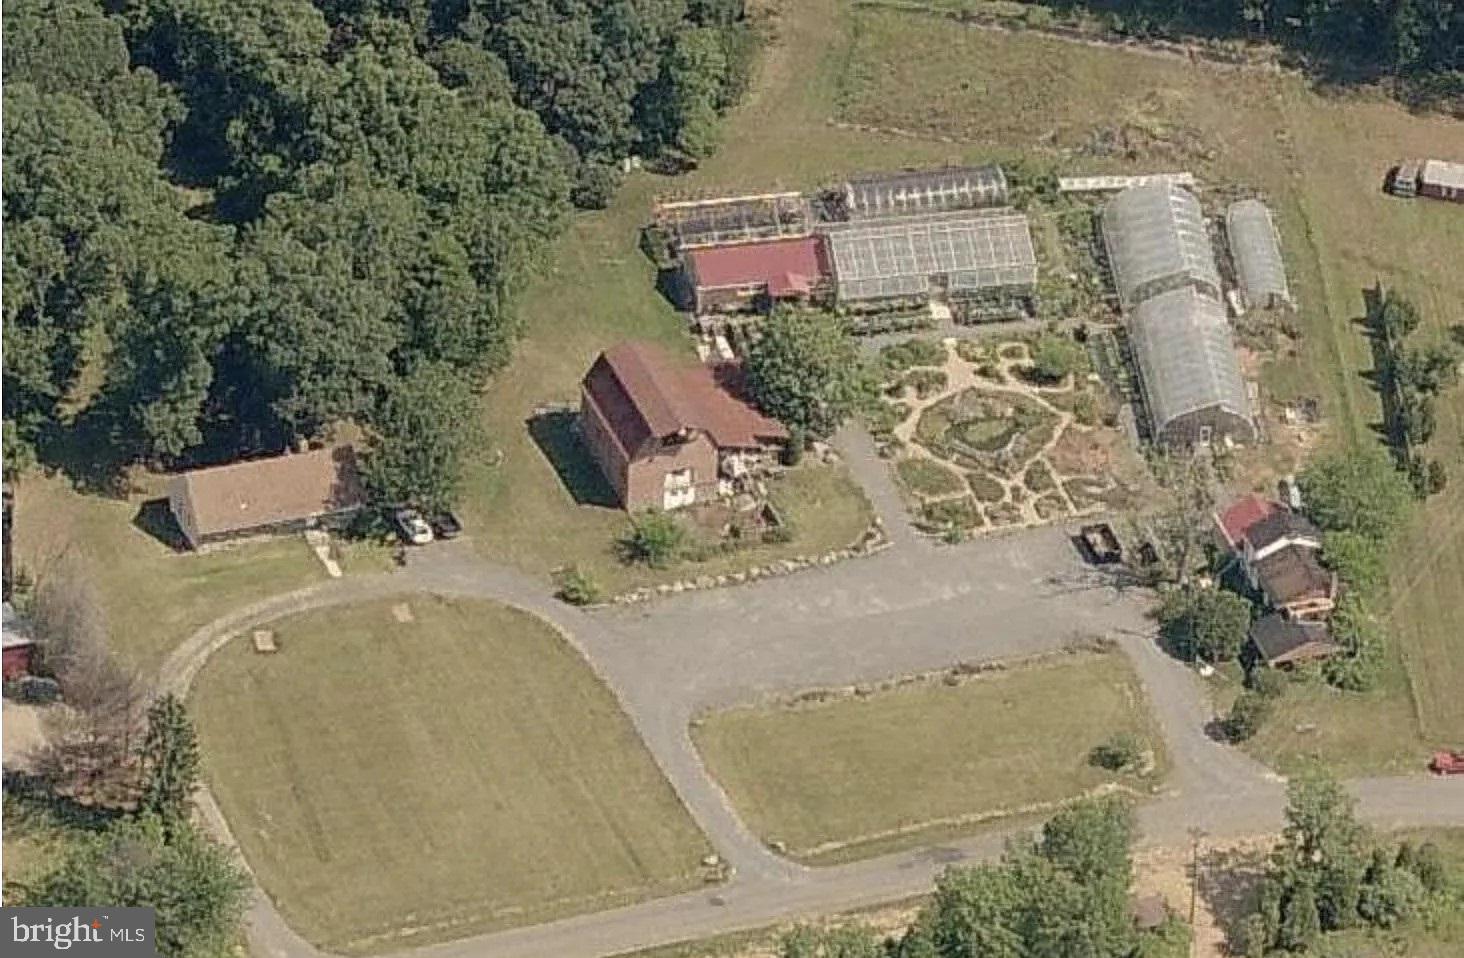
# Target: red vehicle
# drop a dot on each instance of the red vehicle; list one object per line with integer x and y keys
{"x": 1447, "y": 763}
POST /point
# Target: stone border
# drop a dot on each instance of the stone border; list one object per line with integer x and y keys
{"x": 871, "y": 542}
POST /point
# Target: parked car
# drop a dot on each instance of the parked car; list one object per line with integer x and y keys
{"x": 410, "y": 525}
{"x": 446, "y": 525}
{"x": 1447, "y": 762}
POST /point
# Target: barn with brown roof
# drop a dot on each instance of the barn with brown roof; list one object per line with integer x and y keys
{"x": 266, "y": 496}
{"x": 668, "y": 434}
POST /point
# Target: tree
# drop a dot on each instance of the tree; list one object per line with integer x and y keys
{"x": 170, "y": 760}
{"x": 1210, "y": 624}
{"x": 655, "y": 539}
{"x": 1357, "y": 560}
{"x": 1324, "y": 849}
{"x": 421, "y": 434}
{"x": 1055, "y": 356}
{"x": 1357, "y": 491}
{"x": 1247, "y": 714}
{"x": 806, "y": 370}
{"x": 1300, "y": 924}
{"x": 197, "y": 890}
{"x": 1118, "y": 753}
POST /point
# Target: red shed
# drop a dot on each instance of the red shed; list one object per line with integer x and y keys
{"x": 18, "y": 646}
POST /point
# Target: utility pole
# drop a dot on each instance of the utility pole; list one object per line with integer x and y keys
{"x": 1195, "y": 834}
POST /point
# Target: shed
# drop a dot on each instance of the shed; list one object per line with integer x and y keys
{"x": 17, "y": 645}
{"x": 263, "y": 496}
{"x": 1441, "y": 180}
{"x": 1283, "y": 642}
{"x": 1157, "y": 241}
{"x": 1188, "y": 372}
{"x": 1256, "y": 249}
{"x": 959, "y": 254}
{"x": 909, "y": 192}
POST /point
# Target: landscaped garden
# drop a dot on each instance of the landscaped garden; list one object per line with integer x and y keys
{"x": 848, "y": 774}
{"x": 403, "y": 772}
{"x": 989, "y": 444}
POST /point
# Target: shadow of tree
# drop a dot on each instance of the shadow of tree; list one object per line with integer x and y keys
{"x": 557, "y": 436}
{"x": 1228, "y": 882}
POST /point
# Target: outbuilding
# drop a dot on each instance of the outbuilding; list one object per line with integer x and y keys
{"x": 266, "y": 496}
{"x": 1255, "y": 248}
{"x": 754, "y": 276}
{"x": 1441, "y": 180}
{"x": 913, "y": 192}
{"x": 1281, "y": 642}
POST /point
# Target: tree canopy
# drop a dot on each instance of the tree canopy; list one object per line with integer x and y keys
{"x": 231, "y": 225}
{"x": 806, "y": 370}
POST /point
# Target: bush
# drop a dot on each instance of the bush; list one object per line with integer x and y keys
{"x": 1121, "y": 752}
{"x": 1267, "y": 683}
{"x": 1246, "y": 717}
{"x": 1054, "y": 357}
{"x": 594, "y": 186}
{"x": 578, "y": 587}
{"x": 898, "y": 357}
{"x": 655, "y": 539}
{"x": 793, "y": 451}
{"x": 926, "y": 382}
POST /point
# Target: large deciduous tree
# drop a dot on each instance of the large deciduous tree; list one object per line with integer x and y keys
{"x": 806, "y": 370}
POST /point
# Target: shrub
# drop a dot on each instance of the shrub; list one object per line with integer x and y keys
{"x": 655, "y": 539}
{"x": 578, "y": 587}
{"x": 1246, "y": 717}
{"x": 926, "y": 382}
{"x": 1267, "y": 683}
{"x": 1054, "y": 357}
{"x": 1121, "y": 752}
{"x": 898, "y": 357}
{"x": 793, "y": 451}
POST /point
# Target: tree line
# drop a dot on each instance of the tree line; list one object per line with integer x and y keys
{"x": 231, "y": 225}
{"x": 1417, "y": 39}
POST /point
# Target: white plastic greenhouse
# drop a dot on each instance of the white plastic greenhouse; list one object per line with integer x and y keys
{"x": 1157, "y": 241}
{"x": 1256, "y": 250}
{"x": 925, "y": 191}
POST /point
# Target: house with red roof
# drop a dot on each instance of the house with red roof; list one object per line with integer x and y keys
{"x": 754, "y": 276}
{"x": 670, "y": 433}
{"x": 1280, "y": 552}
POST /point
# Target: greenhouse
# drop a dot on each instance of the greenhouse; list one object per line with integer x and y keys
{"x": 1190, "y": 376}
{"x": 1157, "y": 242}
{"x": 910, "y": 258}
{"x": 924, "y": 191}
{"x": 735, "y": 219}
{"x": 1256, "y": 250}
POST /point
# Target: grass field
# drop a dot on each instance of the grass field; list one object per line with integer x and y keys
{"x": 854, "y": 776}
{"x": 153, "y": 595}
{"x": 1319, "y": 160}
{"x": 394, "y": 784}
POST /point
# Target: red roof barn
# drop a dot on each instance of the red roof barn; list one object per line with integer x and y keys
{"x": 752, "y": 275}
{"x": 665, "y": 433}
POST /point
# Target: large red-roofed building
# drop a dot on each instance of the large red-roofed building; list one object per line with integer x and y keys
{"x": 665, "y": 433}
{"x": 754, "y": 275}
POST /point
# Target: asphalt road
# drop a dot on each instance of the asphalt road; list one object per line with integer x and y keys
{"x": 914, "y": 607}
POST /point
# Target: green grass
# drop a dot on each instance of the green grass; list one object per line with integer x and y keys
{"x": 153, "y": 596}
{"x": 924, "y": 477}
{"x": 854, "y": 776}
{"x": 1319, "y": 161}
{"x": 396, "y": 784}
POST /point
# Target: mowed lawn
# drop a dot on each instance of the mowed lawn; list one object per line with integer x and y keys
{"x": 398, "y": 783}
{"x": 152, "y": 595}
{"x": 1319, "y": 160}
{"x": 855, "y": 776}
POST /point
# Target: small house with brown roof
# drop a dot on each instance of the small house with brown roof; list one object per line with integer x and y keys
{"x": 668, "y": 434}
{"x": 266, "y": 496}
{"x": 1281, "y": 642}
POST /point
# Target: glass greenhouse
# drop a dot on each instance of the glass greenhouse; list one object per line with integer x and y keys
{"x": 735, "y": 219}
{"x": 962, "y": 253}
{"x": 1157, "y": 241}
{"x": 925, "y": 191}
{"x": 1256, "y": 250}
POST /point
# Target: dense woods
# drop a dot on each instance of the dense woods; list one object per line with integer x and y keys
{"x": 230, "y": 225}
{"x": 1421, "y": 40}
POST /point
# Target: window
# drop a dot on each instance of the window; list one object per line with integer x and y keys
{"x": 677, "y": 489}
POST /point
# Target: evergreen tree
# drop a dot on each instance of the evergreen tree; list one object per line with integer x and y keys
{"x": 170, "y": 761}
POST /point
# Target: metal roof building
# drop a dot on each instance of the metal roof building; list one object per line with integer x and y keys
{"x": 911, "y": 257}
{"x": 1189, "y": 373}
{"x": 925, "y": 191}
{"x": 1157, "y": 241}
{"x": 1256, "y": 249}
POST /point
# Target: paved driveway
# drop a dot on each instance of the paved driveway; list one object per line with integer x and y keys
{"x": 914, "y": 607}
